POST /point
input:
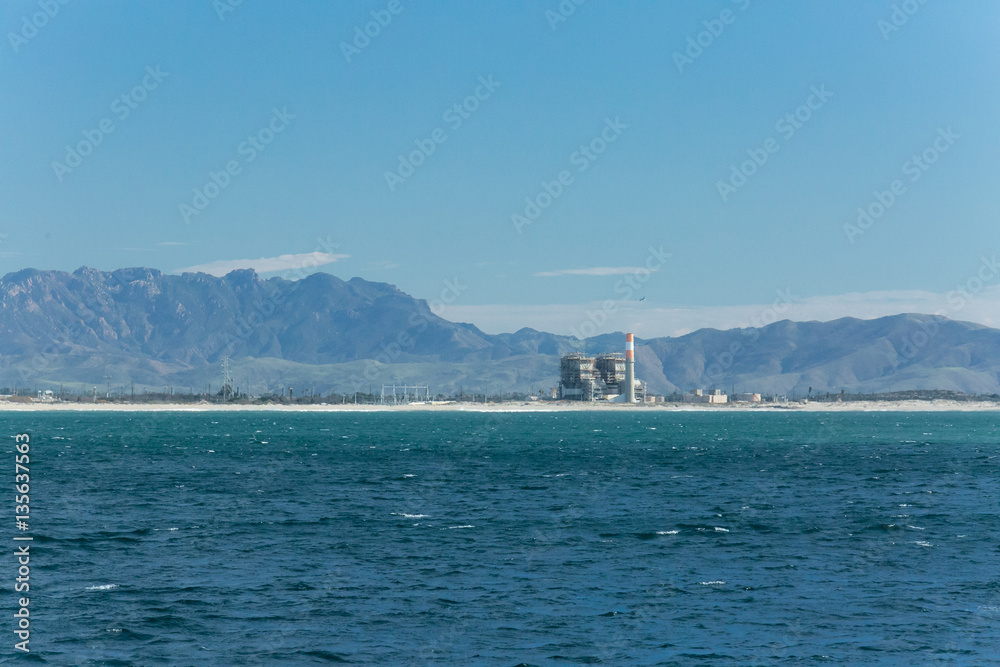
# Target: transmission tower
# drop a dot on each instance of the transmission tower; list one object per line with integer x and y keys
{"x": 107, "y": 375}
{"x": 227, "y": 378}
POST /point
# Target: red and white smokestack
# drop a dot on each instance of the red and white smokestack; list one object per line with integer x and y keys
{"x": 629, "y": 369}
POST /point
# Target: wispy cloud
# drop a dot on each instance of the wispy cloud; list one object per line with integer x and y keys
{"x": 172, "y": 243}
{"x": 307, "y": 260}
{"x": 593, "y": 271}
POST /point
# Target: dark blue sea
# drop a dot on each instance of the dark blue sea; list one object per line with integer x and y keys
{"x": 621, "y": 538}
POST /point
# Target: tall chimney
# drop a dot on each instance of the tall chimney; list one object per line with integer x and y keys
{"x": 629, "y": 369}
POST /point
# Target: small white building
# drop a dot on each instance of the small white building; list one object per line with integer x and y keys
{"x": 712, "y": 396}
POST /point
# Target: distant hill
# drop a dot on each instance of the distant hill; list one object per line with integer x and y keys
{"x": 896, "y": 353}
{"x": 153, "y": 329}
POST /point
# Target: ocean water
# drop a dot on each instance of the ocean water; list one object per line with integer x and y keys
{"x": 510, "y": 539}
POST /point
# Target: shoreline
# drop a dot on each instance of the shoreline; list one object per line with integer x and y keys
{"x": 526, "y": 407}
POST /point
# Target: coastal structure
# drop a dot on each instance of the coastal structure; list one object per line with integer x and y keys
{"x": 577, "y": 377}
{"x": 605, "y": 377}
{"x": 711, "y": 396}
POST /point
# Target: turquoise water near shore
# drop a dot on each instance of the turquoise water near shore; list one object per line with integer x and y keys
{"x": 265, "y": 538}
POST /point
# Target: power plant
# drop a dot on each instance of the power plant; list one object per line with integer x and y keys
{"x": 606, "y": 377}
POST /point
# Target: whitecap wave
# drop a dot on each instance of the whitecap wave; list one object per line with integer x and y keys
{"x": 102, "y": 587}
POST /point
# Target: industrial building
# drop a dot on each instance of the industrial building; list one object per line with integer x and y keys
{"x": 605, "y": 377}
{"x": 711, "y": 396}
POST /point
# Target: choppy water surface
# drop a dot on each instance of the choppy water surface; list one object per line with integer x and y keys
{"x": 504, "y": 539}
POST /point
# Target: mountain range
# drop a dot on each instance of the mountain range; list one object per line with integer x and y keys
{"x": 143, "y": 328}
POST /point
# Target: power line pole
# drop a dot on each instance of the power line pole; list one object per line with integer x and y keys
{"x": 107, "y": 375}
{"x": 227, "y": 379}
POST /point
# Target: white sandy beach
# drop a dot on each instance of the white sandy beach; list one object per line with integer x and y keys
{"x": 553, "y": 406}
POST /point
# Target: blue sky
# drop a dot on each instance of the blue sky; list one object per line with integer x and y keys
{"x": 617, "y": 110}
